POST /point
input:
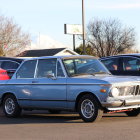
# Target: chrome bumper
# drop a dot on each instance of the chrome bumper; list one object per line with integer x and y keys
{"x": 121, "y": 103}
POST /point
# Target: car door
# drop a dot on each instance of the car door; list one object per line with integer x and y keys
{"x": 49, "y": 86}
{"x": 21, "y": 83}
{"x": 131, "y": 66}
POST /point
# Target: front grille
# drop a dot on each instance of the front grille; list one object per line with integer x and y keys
{"x": 129, "y": 90}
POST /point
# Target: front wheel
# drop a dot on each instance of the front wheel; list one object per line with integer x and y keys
{"x": 133, "y": 113}
{"x": 89, "y": 108}
{"x": 10, "y": 106}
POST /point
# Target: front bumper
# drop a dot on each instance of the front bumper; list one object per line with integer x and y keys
{"x": 121, "y": 104}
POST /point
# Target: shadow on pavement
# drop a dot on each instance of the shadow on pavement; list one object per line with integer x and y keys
{"x": 41, "y": 117}
{"x": 30, "y": 117}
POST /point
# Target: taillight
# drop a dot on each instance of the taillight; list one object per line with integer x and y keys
{"x": 4, "y": 75}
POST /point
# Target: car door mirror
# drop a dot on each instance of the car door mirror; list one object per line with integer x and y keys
{"x": 52, "y": 76}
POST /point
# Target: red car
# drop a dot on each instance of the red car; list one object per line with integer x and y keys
{"x": 3, "y": 75}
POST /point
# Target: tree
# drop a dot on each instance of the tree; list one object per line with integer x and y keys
{"x": 12, "y": 39}
{"x": 89, "y": 50}
{"x": 109, "y": 37}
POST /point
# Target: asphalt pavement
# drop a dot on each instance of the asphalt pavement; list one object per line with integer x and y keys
{"x": 40, "y": 125}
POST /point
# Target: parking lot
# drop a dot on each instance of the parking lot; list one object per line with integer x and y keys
{"x": 41, "y": 125}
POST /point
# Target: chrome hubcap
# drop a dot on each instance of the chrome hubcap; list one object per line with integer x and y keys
{"x": 87, "y": 108}
{"x": 9, "y": 106}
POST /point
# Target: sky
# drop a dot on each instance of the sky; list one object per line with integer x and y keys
{"x": 47, "y": 17}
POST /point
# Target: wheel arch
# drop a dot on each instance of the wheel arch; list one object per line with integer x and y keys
{"x": 5, "y": 94}
{"x": 85, "y": 93}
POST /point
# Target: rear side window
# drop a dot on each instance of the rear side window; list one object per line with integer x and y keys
{"x": 112, "y": 64}
{"x": 9, "y": 65}
{"x": 27, "y": 70}
{"x": 131, "y": 64}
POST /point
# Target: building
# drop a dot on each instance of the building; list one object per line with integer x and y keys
{"x": 47, "y": 52}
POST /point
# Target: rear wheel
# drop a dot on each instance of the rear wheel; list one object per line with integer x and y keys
{"x": 10, "y": 106}
{"x": 133, "y": 113}
{"x": 89, "y": 108}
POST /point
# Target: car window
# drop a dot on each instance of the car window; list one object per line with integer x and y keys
{"x": 112, "y": 64}
{"x": 27, "y": 69}
{"x": 79, "y": 66}
{"x": 131, "y": 64}
{"x": 59, "y": 70}
{"x": 45, "y": 67}
{"x": 9, "y": 65}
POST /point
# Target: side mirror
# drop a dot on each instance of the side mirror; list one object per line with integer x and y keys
{"x": 52, "y": 76}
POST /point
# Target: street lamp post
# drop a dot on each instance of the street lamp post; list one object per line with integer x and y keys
{"x": 83, "y": 27}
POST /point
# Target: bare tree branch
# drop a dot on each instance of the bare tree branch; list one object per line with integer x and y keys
{"x": 12, "y": 39}
{"x": 109, "y": 37}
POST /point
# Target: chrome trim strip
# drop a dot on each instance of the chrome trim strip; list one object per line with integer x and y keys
{"x": 35, "y": 69}
{"x": 50, "y": 84}
{"x": 112, "y": 104}
{"x": 46, "y": 100}
{"x": 35, "y": 84}
{"x": 125, "y": 107}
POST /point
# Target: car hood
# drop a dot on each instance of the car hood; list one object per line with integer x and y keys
{"x": 108, "y": 79}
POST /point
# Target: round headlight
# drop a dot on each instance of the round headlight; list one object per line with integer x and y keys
{"x": 115, "y": 92}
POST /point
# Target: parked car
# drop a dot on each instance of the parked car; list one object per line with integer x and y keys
{"x": 127, "y": 64}
{"x": 10, "y": 64}
{"x": 4, "y": 75}
{"x": 59, "y": 83}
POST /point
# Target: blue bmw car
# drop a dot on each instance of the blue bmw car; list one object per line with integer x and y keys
{"x": 70, "y": 83}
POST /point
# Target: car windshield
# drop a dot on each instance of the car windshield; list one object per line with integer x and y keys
{"x": 84, "y": 66}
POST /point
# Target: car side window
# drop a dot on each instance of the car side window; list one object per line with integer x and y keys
{"x": 131, "y": 64}
{"x": 27, "y": 70}
{"x": 45, "y": 67}
{"x": 9, "y": 65}
{"x": 112, "y": 64}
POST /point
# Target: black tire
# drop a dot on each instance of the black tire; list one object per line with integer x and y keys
{"x": 54, "y": 111}
{"x": 133, "y": 113}
{"x": 92, "y": 112}
{"x": 10, "y": 106}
